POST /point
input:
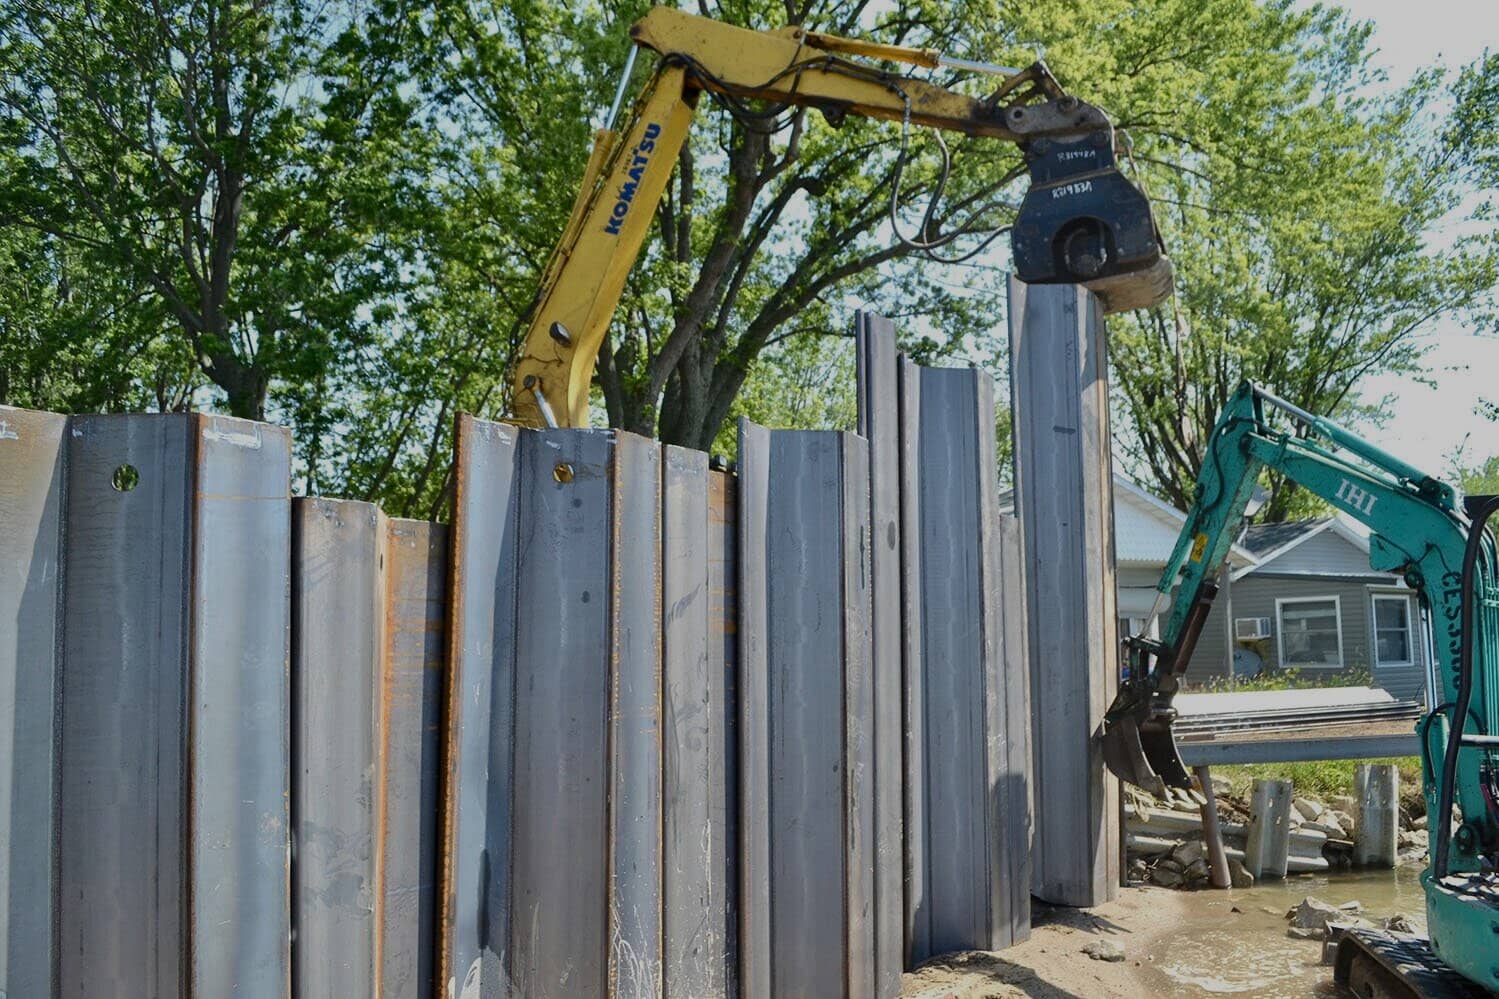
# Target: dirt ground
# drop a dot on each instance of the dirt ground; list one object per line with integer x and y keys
{"x": 1052, "y": 965}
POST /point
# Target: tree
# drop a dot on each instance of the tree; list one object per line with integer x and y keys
{"x": 1308, "y": 239}
{"x": 224, "y": 157}
{"x": 764, "y": 230}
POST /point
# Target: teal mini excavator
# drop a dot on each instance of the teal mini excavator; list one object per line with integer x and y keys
{"x": 1421, "y": 529}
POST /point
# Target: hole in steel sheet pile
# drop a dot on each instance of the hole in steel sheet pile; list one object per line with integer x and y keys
{"x": 563, "y": 472}
{"x": 125, "y": 478}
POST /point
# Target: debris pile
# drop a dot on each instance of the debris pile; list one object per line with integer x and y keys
{"x": 1165, "y": 841}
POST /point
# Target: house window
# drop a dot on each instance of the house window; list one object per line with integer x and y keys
{"x": 1393, "y": 641}
{"x": 1311, "y": 632}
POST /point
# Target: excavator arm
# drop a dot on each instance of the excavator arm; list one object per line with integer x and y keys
{"x": 1416, "y": 530}
{"x": 1081, "y": 220}
{"x": 1448, "y": 557}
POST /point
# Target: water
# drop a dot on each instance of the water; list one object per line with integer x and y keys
{"x": 1246, "y": 953}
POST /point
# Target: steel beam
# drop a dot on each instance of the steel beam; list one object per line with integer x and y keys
{"x": 338, "y": 607}
{"x": 1293, "y": 748}
{"x": 1064, "y": 498}
{"x": 474, "y": 898}
{"x": 556, "y": 802}
{"x": 696, "y": 864}
{"x": 411, "y": 711}
{"x": 958, "y": 623}
{"x": 879, "y": 423}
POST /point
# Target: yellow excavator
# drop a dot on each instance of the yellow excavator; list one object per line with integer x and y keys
{"x": 1082, "y": 221}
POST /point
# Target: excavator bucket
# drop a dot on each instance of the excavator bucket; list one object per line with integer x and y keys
{"x": 1143, "y": 752}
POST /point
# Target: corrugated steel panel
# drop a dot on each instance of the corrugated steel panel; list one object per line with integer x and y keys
{"x": 339, "y": 555}
{"x": 723, "y": 675}
{"x": 634, "y": 761}
{"x": 967, "y": 781}
{"x": 879, "y": 423}
{"x": 560, "y": 849}
{"x": 558, "y": 660}
{"x": 240, "y": 703}
{"x": 918, "y": 924}
{"x": 33, "y": 447}
{"x": 474, "y": 904}
{"x": 411, "y": 703}
{"x": 807, "y": 709}
{"x": 173, "y": 840}
{"x": 697, "y": 870}
{"x": 754, "y": 758}
{"x": 1064, "y": 490}
{"x": 123, "y": 768}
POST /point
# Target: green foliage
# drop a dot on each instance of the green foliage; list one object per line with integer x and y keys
{"x": 1482, "y": 480}
{"x": 335, "y": 215}
{"x": 1324, "y": 779}
{"x": 804, "y": 382}
{"x": 1310, "y": 223}
{"x": 1295, "y": 679}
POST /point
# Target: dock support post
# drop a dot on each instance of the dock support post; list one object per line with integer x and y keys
{"x": 1377, "y": 825}
{"x": 1268, "y": 849}
{"x": 1212, "y": 832}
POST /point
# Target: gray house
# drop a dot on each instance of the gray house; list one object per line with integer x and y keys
{"x": 1310, "y": 602}
{"x": 1299, "y": 595}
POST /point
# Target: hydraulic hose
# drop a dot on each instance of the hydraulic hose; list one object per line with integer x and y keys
{"x": 1472, "y": 553}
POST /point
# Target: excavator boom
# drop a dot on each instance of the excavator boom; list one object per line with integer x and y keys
{"x": 1081, "y": 221}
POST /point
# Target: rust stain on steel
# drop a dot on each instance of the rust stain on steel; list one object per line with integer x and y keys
{"x": 447, "y": 895}
{"x": 412, "y": 648}
{"x": 723, "y": 603}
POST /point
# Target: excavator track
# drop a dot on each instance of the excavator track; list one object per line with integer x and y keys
{"x": 1376, "y": 964}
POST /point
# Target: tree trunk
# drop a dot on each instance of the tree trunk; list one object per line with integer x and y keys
{"x": 246, "y": 385}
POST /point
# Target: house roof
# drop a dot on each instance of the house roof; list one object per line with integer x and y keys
{"x": 1268, "y": 542}
{"x": 1145, "y": 527}
{"x": 1262, "y": 539}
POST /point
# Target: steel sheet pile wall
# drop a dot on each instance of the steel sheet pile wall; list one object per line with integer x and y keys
{"x": 638, "y": 729}
{"x": 1064, "y": 497}
{"x": 368, "y": 610}
{"x": 153, "y": 656}
{"x": 806, "y": 716}
{"x": 587, "y": 850}
{"x": 956, "y": 607}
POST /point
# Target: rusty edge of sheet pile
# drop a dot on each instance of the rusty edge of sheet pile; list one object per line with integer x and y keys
{"x": 368, "y": 594}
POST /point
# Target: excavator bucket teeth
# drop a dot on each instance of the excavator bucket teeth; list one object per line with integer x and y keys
{"x": 1160, "y": 750}
{"x": 1144, "y": 753}
{"x": 1125, "y": 755}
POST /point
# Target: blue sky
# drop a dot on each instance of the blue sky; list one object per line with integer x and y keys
{"x": 1426, "y": 424}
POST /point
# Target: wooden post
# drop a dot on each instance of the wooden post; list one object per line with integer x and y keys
{"x": 1377, "y": 826}
{"x": 1212, "y": 832}
{"x": 1268, "y": 848}
{"x": 1065, "y": 502}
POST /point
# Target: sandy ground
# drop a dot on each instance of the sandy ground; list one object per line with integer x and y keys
{"x": 1052, "y": 965}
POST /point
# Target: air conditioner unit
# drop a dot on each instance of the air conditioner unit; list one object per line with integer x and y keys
{"x": 1248, "y": 629}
